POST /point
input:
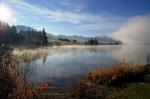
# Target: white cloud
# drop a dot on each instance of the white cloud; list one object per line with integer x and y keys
{"x": 135, "y": 31}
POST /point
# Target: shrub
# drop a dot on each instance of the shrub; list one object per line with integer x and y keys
{"x": 12, "y": 82}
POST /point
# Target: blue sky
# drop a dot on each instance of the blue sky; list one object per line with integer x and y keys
{"x": 76, "y": 17}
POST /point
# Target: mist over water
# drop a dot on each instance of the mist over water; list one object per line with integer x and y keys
{"x": 67, "y": 64}
{"x": 135, "y": 31}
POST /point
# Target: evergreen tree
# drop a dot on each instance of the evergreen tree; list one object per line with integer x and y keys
{"x": 9, "y": 35}
{"x": 45, "y": 41}
{"x": 92, "y": 41}
{"x": 13, "y": 29}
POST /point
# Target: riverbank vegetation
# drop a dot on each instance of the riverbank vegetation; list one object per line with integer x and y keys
{"x": 117, "y": 74}
{"x": 121, "y": 81}
{"x": 13, "y": 77}
{"x": 12, "y": 82}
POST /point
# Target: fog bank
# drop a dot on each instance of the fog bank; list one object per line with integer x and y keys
{"x": 135, "y": 31}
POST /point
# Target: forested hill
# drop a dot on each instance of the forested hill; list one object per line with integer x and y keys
{"x": 10, "y": 35}
{"x": 26, "y": 36}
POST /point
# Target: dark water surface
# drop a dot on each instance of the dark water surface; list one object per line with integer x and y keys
{"x": 67, "y": 64}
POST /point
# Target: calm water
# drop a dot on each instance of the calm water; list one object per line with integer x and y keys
{"x": 67, "y": 64}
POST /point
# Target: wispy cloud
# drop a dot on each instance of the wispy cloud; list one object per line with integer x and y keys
{"x": 78, "y": 19}
{"x": 53, "y": 15}
{"x": 109, "y": 23}
{"x": 75, "y": 6}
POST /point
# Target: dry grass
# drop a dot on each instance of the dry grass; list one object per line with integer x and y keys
{"x": 117, "y": 74}
{"x": 12, "y": 83}
{"x": 30, "y": 51}
{"x": 30, "y": 54}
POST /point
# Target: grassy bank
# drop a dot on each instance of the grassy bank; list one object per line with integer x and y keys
{"x": 121, "y": 81}
{"x": 118, "y": 74}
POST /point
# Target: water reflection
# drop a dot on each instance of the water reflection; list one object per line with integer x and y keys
{"x": 69, "y": 63}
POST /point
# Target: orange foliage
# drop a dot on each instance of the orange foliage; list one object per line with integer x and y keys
{"x": 43, "y": 86}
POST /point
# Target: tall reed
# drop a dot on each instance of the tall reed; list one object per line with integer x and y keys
{"x": 12, "y": 83}
{"x": 119, "y": 73}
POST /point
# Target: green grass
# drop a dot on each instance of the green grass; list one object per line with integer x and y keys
{"x": 132, "y": 91}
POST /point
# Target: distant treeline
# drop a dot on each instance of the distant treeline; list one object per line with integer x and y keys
{"x": 92, "y": 42}
{"x": 64, "y": 39}
{"x": 9, "y": 35}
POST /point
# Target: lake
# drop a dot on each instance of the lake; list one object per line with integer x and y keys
{"x": 68, "y": 64}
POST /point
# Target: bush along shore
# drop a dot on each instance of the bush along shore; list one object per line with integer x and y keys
{"x": 120, "y": 81}
{"x": 13, "y": 78}
{"x": 118, "y": 74}
{"x": 12, "y": 81}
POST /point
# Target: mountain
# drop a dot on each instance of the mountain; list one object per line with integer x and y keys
{"x": 23, "y": 28}
{"x": 51, "y": 36}
{"x": 106, "y": 40}
{"x": 80, "y": 39}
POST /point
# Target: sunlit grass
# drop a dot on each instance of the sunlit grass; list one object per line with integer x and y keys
{"x": 119, "y": 73}
{"x": 13, "y": 82}
{"x": 30, "y": 54}
{"x": 12, "y": 79}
